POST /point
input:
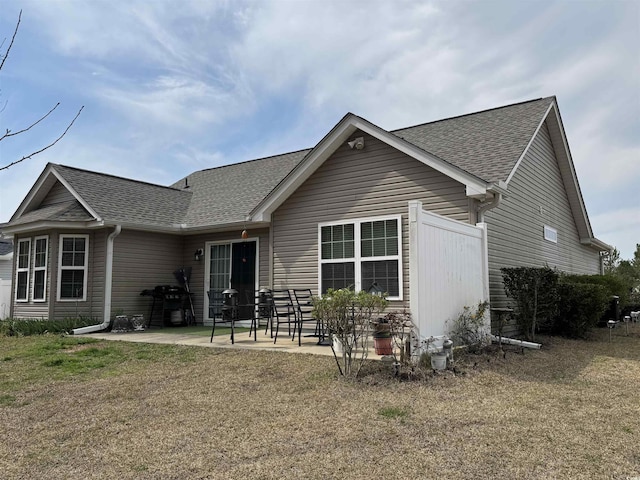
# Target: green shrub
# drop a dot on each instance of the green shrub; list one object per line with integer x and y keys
{"x": 613, "y": 285}
{"x": 580, "y": 306}
{"x": 534, "y": 291}
{"x": 33, "y": 326}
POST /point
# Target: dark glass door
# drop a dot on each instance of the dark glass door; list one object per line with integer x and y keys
{"x": 243, "y": 276}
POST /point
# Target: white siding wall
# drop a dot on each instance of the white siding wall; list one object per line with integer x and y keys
{"x": 375, "y": 181}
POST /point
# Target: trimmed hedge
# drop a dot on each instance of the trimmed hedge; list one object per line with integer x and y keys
{"x": 613, "y": 285}
{"x": 580, "y": 307}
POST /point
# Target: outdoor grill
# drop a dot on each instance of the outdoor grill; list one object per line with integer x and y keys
{"x": 170, "y": 301}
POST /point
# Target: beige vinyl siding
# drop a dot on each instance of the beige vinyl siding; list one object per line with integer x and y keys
{"x": 142, "y": 260}
{"x": 375, "y": 181}
{"x": 194, "y": 242}
{"x": 57, "y": 194}
{"x": 93, "y": 306}
{"x": 536, "y": 197}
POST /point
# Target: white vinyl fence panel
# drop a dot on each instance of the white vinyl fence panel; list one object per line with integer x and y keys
{"x": 448, "y": 269}
{"x": 5, "y": 298}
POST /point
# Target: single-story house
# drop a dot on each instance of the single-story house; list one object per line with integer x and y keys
{"x": 335, "y": 215}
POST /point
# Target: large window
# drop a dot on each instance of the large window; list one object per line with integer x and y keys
{"x": 40, "y": 269}
{"x": 72, "y": 271}
{"x": 23, "y": 265}
{"x": 360, "y": 253}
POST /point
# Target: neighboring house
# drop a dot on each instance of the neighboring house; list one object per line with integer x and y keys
{"x": 6, "y": 274}
{"x": 87, "y": 243}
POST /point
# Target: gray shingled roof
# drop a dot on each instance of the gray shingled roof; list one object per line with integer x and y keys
{"x": 486, "y": 144}
{"x": 6, "y": 246}
{"x": 123, "y": 200}
{"x": 71, "y": 211}
{"x": 228, "y": 194}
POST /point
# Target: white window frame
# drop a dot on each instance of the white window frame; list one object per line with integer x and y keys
{"x": 357, "y": 259}
{"x": 83, "y": 268}
{"x": 26, "y": 269}
{"x": 550, "y": 234}
{"x": 40, "y": 269}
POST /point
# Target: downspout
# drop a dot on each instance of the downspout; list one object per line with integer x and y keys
{"x": 108, "y": 280}
{"x": 483, "y": 207}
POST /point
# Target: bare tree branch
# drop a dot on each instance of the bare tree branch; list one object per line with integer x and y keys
{"x": 48, "y": 146}
{"x": 15, "y": 32}
{"x": 9, "y": 133}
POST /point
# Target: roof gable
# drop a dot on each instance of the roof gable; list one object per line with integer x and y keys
{"x": 349, "y": 124}
{"x": 103, "y": 198}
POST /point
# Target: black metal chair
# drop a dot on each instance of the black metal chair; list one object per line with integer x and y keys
{"x": 284, "y": 312}
{"x": 304, "y": 306}
{"x": 216, "y": 304}
{"x": 253, "y": 300}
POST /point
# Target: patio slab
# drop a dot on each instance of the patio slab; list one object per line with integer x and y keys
{"x": 242, "y": 341}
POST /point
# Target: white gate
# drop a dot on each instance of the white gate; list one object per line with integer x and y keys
{"x": 448, "y": 269}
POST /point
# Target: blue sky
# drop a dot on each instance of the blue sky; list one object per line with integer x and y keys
{"x": 170, "y": 87}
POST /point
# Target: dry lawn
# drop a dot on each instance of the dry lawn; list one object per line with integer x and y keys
{"x": 116, "y": 410}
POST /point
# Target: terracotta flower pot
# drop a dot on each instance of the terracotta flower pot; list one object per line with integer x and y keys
{"x": 383, "y": 346}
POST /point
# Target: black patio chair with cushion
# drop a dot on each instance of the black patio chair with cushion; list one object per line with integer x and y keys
{"x": 284, "y": 311}
{"x": 304, "y": 306}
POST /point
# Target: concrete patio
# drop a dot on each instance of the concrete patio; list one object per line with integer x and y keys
{"x": 242, "y": 341}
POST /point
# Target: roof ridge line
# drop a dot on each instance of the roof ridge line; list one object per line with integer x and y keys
{"x": 252, "y": 160}
{"x": 118, "y": 177}
{"x": 469, "y": 114}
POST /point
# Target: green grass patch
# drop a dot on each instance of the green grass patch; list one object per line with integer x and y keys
{"x": 7, "y": 400}
{"x": 42, "y": 359}
{"x": 393, "y": 412}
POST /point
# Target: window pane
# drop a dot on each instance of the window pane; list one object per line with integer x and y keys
{"x": 67, "y": 244}
{"x": 337, "y": 242}
{"x": 71, "y": 283}
{"x": 38, "y": 285}
{"x": 366, "y": 230}
{"x": 325, "y": 234}
{"x": 79, "y": 244}
{"x": 385, "y": 273}
{"x": 78, "y": 259}
{"x": 23, "y": 254}
{"x": 41, "y": 253}
{"x": 348, "y": 232}
{"x": 392, "y": 246}
{"x": 21, "y": 286}
{"x": 67, "y": 259}
{"x": 337, "y": 275}
{"x": 383, "y": 238}
{"x": 379, "y": 247}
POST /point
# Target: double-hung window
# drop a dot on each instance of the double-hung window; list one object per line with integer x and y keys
{"x": 23, "y": 265}
{"x": 40, "y": 268}
{"x": 72, "y": 271}
{"x": 360, "y": 253}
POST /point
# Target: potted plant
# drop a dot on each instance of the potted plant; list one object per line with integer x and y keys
{"x": 382, "y": 343}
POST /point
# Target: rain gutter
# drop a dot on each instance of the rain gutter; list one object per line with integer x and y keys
{"x": 108, "y": 281}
